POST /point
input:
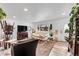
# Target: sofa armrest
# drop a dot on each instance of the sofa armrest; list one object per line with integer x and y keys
{"x": 27, "y": 48}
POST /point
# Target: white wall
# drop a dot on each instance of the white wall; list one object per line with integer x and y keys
{"x": 56, "y": 24}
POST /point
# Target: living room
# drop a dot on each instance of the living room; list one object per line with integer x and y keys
{"x": 38, "y": 26}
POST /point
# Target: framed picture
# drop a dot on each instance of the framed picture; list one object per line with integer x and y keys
{"x": 43, "y": 27}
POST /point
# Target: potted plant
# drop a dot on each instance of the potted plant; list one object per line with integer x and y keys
{"x": 2, "y": 16}
{"x": 73, "y": 15}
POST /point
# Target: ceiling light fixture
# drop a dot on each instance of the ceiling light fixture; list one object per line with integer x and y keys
{"x": 14, "y": 16}
{"x": 63, "y": 14}
{"x": 25, "y": 9}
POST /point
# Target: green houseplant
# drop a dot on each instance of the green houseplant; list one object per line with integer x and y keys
{"x": 73, "y": 15}
{"x": 2, "y": 16}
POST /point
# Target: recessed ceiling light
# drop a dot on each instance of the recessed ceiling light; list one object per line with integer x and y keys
{"x": 14, "y": 16}
{"x": 25, "y": 9}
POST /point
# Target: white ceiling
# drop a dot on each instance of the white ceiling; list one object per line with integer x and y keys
{"x": 36, "y": 11}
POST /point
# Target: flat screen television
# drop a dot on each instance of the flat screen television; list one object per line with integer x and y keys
{"x": 21, "y": 28}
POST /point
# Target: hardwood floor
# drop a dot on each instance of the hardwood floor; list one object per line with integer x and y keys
{"x": 45, "y": 48}
{"x": 59, "y": 49}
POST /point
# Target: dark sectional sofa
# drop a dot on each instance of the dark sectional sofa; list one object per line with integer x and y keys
{"x": 26, "y": 48}
{"x": 32, "y": 47}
